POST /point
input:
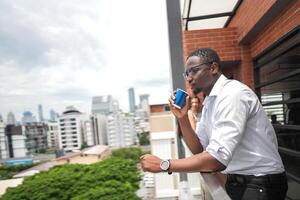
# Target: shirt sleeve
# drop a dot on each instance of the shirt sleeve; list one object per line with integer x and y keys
{"x": 230, "y": 118}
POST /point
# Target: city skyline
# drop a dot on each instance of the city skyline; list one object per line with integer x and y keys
{"x": 78, "y": 52}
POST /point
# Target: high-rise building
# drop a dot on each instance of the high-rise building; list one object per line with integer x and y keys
{"x": 36, "y": 137}
{"x": 28, "y": 118}
{"x": 99, "y": 123}
{"x": 131, "y": 96}
{"x": 11, "y": 120}
{"x": 16, "y": 141}
{"x": 104, "y": 105}
{"x": 121, "y": 130}
{"x": 71, "y": 133}
{"x": 87, "y": 131}
{"x": 1, "y": 118}
{"x": 40, "y": 111}
{"x": 53, "y": 115}
{"x": 52, "y": 134}
{"x": 144, "y": 103}
{"x": 3, "y": 142}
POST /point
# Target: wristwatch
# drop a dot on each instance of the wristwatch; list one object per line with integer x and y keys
{"x": 165, "y": 166}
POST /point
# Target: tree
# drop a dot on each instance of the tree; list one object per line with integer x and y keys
{"x": 113, "y": 176}
{"x": 132, "y": 153}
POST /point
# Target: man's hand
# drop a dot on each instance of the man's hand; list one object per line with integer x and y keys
{"x": 150, "y": 163}
{"x": 179, "y": 113}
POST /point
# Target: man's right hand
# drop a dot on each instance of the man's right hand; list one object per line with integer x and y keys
{"x": 179, "y": 113}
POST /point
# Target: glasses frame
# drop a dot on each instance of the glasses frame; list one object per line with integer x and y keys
{"x": 191, "y": 71}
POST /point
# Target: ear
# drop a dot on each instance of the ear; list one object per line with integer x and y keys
{"x": 215, "y": 68}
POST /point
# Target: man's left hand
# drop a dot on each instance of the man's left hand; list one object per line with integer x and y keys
{"x": 150, "y": 163}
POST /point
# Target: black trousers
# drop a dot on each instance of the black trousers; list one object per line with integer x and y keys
{"x": 248, "y": 187}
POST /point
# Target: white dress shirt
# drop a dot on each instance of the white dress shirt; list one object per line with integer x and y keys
{"x": 235, "y": 130}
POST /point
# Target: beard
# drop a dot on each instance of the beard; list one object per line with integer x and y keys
{"x": 197, "y": 90}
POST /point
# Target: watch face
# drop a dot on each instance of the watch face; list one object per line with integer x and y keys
{"x": 164, "y": 165}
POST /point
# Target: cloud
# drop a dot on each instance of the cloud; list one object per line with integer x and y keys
{"x": 61, "y": 53}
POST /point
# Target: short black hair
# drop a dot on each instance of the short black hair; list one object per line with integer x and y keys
{"x": 207, "y": 55}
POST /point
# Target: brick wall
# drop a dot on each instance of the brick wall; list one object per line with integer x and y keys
{"x": 248, "y": 13}
{"x": 225, "y": 42}
{"x": 157, "y": 108}
{"x": 283, "y": 23}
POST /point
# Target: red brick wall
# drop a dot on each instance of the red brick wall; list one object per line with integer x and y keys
{"x": 225, "y": 42}
{"x": 157, "y": 108}
{"x": 247, "y": 15}
{"x": 286, "y": 21}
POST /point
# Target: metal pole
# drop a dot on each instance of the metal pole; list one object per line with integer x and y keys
{"x": 176, "y": 58}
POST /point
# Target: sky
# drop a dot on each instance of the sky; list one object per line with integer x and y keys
{"x": 61, "y": 53}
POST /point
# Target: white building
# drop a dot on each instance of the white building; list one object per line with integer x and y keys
{"x": 88, "y": 134}
{"x": 99, "y": 125}
{"x": 163, "y": 141}
{"x": 3, "y": 142}
{"x": 75, "y": 129}
{"x": 104, "y": 105}
{"x": 70, "y": 133}
{"x": 16, "y": 141}
{"x": 52, "y": 134}
{"x": 11, "y": 120}
{"x": 121, "y": 130}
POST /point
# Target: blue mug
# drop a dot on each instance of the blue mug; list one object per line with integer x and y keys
{"x": 180, "y": 97}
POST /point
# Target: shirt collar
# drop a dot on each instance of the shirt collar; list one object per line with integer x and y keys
{"x": 218, "y": 86}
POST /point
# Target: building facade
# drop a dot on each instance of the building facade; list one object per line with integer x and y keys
{"x": 259, "y": 46}
{"x": 52, "y": 134}
{"x": 3, "y": 142}
{"x": 70, "y": 133}
{"x": 36, "y": 137}
{"x": 99, "y": 128}
{"x": 131, "y": 99}
{"x": 16, "y": 141}
{"x": 121, "y": 130}
{"x": 11, "y": 120}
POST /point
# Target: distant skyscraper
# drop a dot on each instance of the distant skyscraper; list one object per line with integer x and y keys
{"x": 28, "y": 118}
{"x": 104, "y": 105}
{"x": 40, "y": 109}
{"x": 1, "y": 119}
{"x": 131, "y": 100}
{"x": 11, "y": 120}
{"x": 53, "y": 115}
{"x": 144, "y": 101}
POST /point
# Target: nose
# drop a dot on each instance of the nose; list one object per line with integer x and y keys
{"x": 189, "y": 79}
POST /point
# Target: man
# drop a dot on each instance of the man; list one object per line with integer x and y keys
{"x": 234, "y": 134}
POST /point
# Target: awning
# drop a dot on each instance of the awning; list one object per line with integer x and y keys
{"x": 207, "y": 14}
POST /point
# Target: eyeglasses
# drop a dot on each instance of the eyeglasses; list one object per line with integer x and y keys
{"x": 193, "y": 70}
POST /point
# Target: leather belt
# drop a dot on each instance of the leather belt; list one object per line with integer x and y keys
{"x": 265, "y": 179}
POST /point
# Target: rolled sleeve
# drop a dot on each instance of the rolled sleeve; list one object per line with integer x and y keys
{"x": 228, "y": 127}
{"x": 219, "y": 152}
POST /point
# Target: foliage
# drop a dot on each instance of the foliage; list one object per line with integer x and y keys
{"x": 113, "y": 178}
{"x": 84, "y": 145}
{"x": 132, "y": 153}
{"x": 144, "y": 138}
{"x": 7, "y": 172}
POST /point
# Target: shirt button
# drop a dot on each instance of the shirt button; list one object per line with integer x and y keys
{"x": 260, "y": 190}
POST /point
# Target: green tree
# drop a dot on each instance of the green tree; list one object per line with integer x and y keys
{"x": 73, "y": 181}
{"x": 7, "y": 172}
{"x": 144, "y": 138}
{"x": 132, "y": 153}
